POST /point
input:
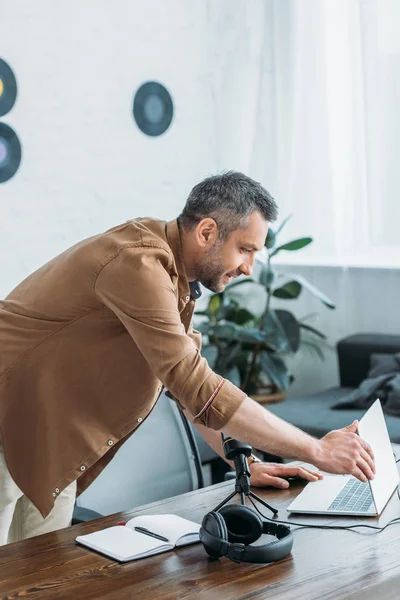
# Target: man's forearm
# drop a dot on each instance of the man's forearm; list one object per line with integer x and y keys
{"x": 256, "y": 426}
{"x": 212, "y": 437}
{"x": 339, "y": 451}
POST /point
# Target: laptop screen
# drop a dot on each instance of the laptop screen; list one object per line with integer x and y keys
{"x": 372, "y": 428}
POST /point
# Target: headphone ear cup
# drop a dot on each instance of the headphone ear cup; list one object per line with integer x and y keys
{"x": 212, "y": 531}
{"x": 243, "y": 525}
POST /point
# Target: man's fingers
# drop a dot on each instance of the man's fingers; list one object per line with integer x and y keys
{"x": 366, "y": 457}
{"x": 302, "y": 472}
{"x": 310, "y": 475}
{"x": 274, "y": 481}
{"x": 368, "y": 460}
{"x": 365, "y": 468}
{"x": 359, "y": 474}
{"x": 292, "y": 471}
{"x": 352, "y": 427}
{"x": 345, "y": 452}
{"x": 367, "y": 448}
{"x": 367, "y": 454}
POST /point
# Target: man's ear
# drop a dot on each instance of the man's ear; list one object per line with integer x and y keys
{"x": 206, "y": 233}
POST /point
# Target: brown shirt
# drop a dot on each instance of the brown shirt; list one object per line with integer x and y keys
{"x": 87, "y": 342}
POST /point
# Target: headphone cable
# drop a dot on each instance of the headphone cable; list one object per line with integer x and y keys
{"x": 310, "y": 526}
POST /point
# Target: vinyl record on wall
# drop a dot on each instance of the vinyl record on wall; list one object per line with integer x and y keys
{"x": 153, "y": 108}
{"x": 8, "y": 88}
{"x": 10, "y": 152}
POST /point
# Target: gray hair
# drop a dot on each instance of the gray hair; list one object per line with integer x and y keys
{"x": 229, "y": 199}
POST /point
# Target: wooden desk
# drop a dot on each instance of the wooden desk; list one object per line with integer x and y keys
{"x": 323, "y": 564}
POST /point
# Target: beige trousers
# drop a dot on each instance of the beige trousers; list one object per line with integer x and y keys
{"x": 19, "y": 519}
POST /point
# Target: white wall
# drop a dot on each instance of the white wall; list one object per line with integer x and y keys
{"x": 85, "y": 165}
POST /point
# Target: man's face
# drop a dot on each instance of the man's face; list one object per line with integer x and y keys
{"x": 222, "y": 261}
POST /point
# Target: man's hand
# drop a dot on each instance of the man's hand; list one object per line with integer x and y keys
{"x": 266, "y": 473}
{"x": 343, "y": 451}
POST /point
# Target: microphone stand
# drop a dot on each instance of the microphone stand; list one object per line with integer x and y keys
{"x": 239, "y": 452}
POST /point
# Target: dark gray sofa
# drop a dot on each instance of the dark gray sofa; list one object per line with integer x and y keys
{"x": 313, "y": 413}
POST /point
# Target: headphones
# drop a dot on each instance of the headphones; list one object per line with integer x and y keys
{"x": 231, "y": 531}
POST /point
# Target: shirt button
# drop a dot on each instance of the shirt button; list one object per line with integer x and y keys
{"x": 83, "y": 467}
{"x": 57, "y": 491}
{"x": 187, "y": 298}
{"x": 139, "y": 420}
{"x": 54, "y": 494}
{"x": 110, "y": 442}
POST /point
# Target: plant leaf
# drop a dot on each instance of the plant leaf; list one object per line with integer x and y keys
{"x": 311, "y": 288}
{"x": 242, "y": 361}
{"x": 288, "y": 291}
{"x": 204, "y": 327}
{"x": 312, "y": 348}
{"x": 267, "y": 276}
{"x": 276, "y": 370}
{"x": 233, "y": 313}
{"x": 227, "y": 311}
{"x": 252, "y": 335}
{"x": 243, "y": 316}
{"x": 313, "y": 330}
{"x": 293, "y": 245}
{"x": 270, "y": 239}
{"x": 274, "y": 333}
{"x": 290, "y": 327}
{"x": 226, "y": 331}
{"x": 282, "y": 330}
{"x": 226, "y": 358}
{"x": 214, "y": 305}
{"x": 210, "y": 353}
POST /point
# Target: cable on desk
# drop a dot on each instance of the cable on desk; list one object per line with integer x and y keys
{"x": 310, "y": 526}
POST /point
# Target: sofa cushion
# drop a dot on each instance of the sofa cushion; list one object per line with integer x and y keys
{"x": 313, "y": 413}
{"x": 354, "y": 353}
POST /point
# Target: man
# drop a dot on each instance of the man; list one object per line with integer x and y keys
{"x": 89, "y": 340}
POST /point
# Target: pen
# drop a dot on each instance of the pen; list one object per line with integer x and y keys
{"x": 151, "y": 534}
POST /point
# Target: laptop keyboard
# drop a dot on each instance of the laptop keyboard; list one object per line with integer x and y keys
{"x": 355, "y": 496}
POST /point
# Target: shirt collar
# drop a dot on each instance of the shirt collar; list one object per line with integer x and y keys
{"x": 195, "y": 289}
{"x": 174, "y": 240}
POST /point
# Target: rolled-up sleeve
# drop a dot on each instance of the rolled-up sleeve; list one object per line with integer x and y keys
{"x": 137, "y": 286}
{"x": 195, "y": 336}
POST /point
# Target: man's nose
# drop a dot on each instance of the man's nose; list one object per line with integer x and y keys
{"x": 246, "y": 269}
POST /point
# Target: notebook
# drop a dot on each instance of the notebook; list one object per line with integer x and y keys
{"x": 123, "y": 543}
{"x": 346, "y": 495}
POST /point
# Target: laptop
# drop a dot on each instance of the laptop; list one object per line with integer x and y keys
{"x": 346, "y": 495}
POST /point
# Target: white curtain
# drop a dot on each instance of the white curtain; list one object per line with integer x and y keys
{"x": 335, "y": 97}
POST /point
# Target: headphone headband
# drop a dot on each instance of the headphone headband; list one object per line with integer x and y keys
{"x": 221, "y": 540}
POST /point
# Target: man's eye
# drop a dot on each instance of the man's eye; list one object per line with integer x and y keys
{"x": 246, "y": 250}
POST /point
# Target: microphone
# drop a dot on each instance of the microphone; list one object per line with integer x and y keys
{"x": 238, "y": 452}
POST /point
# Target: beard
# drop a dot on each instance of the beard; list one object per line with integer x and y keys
{"x": 210, "y": 271}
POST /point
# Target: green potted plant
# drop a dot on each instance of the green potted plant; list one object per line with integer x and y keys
{"x": 251, "y": 348}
